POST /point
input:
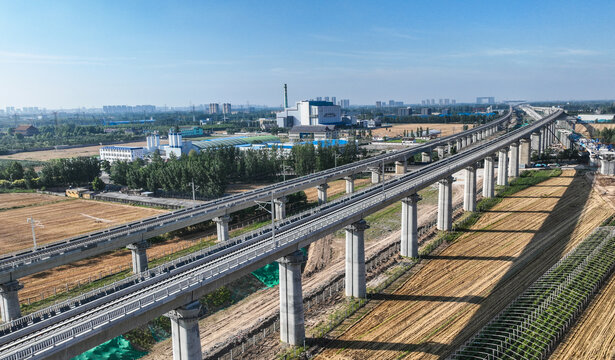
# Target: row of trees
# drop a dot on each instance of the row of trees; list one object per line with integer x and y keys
{"x": 606, "y": 135}
{"x": 58, "y": 172}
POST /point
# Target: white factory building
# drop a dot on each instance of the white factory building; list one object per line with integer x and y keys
{"x": 176, "y": 146}
{"x": 309, "y": 112}
{"x": 120, "y": 153}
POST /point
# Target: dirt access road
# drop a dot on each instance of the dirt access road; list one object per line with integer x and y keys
{"x": 457, "y": 291}
{"x": 325, "y": 262}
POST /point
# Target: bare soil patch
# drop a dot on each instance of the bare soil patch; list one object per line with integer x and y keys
{"x": 398, "y": 129}
{"x": 459, "y": 290}
{"x": 13, "y": 200}
{"x": 45, "y": 155}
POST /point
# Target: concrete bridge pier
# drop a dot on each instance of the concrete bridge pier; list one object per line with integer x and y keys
{"x": 185, "y": 332}
{"x": 349, "y": 184}
{"x": 474, "y": 138}
{"x": 536, "y": 143}
{"x": 543, "y": 140}
{"x": 280, "y": 207}
{"x": 355, "y": 259}
{"x": 322, "y": 193}
{"x": 440, "y": 150}
{"x": 469, "y": 189}
{"x": 458, "y": 144}
{"x": 375, "y": 175}
{"x": 409, "y": 236}
{"x": 401, "y": 167}
{"x": 292, "y": 327}
{"x": 222, "y": 227}
{"x": 426, "y": 157}
{"x": 445, "y": 204}
{"x": 449, "y": 148}
{"x": 488, "y": 190}
{"x": 513, "y": 168}
{"x": 9, "y": 301}
{"x": 469, "y": 140}
{"x": 139, "y": 256}
{"x": 525, "y": 152}
{"x": 485, "y": 134}
{"x": 503, "y": 167}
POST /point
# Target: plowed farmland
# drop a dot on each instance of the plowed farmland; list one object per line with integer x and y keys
{"x": 63, "y": 219}
{"x": 457, "y": 291}
{"x": 17, "y": 200}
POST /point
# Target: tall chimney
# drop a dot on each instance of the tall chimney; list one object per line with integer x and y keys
{"x": 285, "y": 97}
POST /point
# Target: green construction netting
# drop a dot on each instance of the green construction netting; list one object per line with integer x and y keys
{"x": 270, "y": 273}
{"x": 115, "y": 349}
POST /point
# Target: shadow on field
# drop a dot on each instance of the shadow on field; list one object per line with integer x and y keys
{"x": 551, "y": 239}
{"x": 375, "y": 345}
{"x": 485, "y": 258}
{"x": 402, "y": 297}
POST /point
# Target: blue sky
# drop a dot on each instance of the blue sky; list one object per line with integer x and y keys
{"x": 91, "y": 53}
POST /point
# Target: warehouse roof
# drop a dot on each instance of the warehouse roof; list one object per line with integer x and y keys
{"x": 234, "y": 141}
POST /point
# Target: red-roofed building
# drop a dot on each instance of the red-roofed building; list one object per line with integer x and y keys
{"x": 26, "y": 130}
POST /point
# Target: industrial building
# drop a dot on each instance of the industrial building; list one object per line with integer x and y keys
{"x": 315, "y": 132}
{"x": 120, "y": 153}
{"x": 407, "y": 111}
{"x": 590, "y": 118}
{"x": 310, "y": 112}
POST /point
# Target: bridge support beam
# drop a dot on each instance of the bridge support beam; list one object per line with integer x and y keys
{"x": 139, "y": 256}
{"x": 322, "y": 193}
{"x": 401, "y": 167}
{"x": 488, "y": 178}
{"x": 440, "y": 150}
{"x": 9, "y": 301}
{"x": 445, "y": 204}
{"x": 349, "y": 184}
{"x": 426, "y": 157}
{"x": 503, "y": 167}
{"x": 525, "y": 152}
{"x": 355, "y": 259}
{"x": 513, "y": 167}
{"x": 536, "y": 147}
{"x": 280, "y": 207}
{"x": 375, "y": 175}
{"x": 185, "y": 332}
{"x": 409, "y": 236}
{"x": 292, "y": 327}
{"x": 469, "y": 189}
{"x": 222, "y": 227}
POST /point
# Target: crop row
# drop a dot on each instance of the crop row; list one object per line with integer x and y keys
{"x": 531, "y": 326}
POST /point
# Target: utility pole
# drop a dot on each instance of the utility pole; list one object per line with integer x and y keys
{"x": 193, "y": 193}
{"x": 33, "y": 224}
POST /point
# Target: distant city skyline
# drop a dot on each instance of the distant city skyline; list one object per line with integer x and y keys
{"x": 70, "y": 54}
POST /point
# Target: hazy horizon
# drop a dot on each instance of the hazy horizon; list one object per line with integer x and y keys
{"x": 69, "y": 54}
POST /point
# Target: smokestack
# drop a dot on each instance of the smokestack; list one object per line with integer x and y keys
{"x": 285, "y": 97}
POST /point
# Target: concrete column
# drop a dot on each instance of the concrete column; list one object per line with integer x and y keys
{"x": 322, "y": 193}
{"x": 401, "y": 167}
{"x": 525, "y": 153}
{"x": 409, "y": 235}
{"x": 464, "y": 142}
{"x": 469, "y": 189}
{"x": 292, "y": 328}
{"x": 536, "y": 143}
{"x": 355, "y": 259}
{"x": 488, "y": 190}
{"x": 485, "y": 134}
{"x": 280, "y": 207}
{"x": 469, "y": 140}
{"x": 426, "y": 157}
{"x": 9, "y": 301}
{"x": 449, "y": 148}
{"x": 445, "y": 204}
{"x": 349, "y": 184}
{"x": 375, "y": 175}
{"x": 458, "y": 144}
{"x": 474, "y": 138}
{"x": 513, "y": 167}
{"x": 185, "y": 335}
{"x": 503, "y": 167}
{"x": 222, "y": 227}
{"x": 139, "y": 256}
{"x": 440, "y": 150}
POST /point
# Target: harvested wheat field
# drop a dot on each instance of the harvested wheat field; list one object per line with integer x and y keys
{"x": 63, "y": 219}
{"x": 45, "y": 155}
{"x": 398, "y": 130}
{"x": 19, "y": 200}
{"x": 454, "y": 293}
{"x": 592, "y": 337}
